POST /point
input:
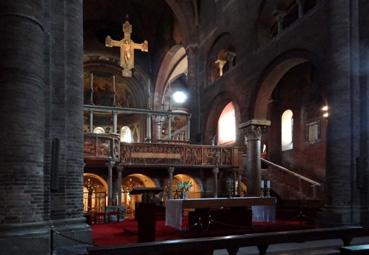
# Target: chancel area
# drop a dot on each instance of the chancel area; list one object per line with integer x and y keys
{"x": 199, "y": 126}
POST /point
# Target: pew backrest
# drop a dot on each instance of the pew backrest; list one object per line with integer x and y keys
{"x": 232, "y": 243}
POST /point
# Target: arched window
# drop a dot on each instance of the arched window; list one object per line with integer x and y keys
{"x": 99, "y": 130}
{"x": 125, "y": 134}
{"x": 227, "y": 125}
{"x": 287, "y": 130}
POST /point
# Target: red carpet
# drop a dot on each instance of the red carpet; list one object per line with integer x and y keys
{"x": 126, "y": 232}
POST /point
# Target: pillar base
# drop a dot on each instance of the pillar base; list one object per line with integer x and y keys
{"x": 34, "y": 238}
{"x": 343, "y": 215}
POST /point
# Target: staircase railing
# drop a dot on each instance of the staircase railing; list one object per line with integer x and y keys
{"x": 311, "y": 183}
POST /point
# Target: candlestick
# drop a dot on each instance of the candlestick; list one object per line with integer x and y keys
{"x": 268, "y": 188}
{"x": 262, "y": 185}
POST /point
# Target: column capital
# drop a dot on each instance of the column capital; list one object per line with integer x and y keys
{"x": 171, "y": 169}
{"x": 254, "y": 128}
{"x": 110, "y": 163}
{"x": 120, "y": 168}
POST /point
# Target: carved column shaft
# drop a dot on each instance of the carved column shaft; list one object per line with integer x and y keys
{"x": 119, "y": 185}
{"x": 254, "y": 130}
{"x": 215, "y": 173}
{"x": 253, "y": 135}
{"x": 170, "y": 182}
{"x": 110, "y": 165}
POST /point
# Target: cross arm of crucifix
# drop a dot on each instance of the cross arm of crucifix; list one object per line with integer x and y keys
{"x": 111, "y": 43}
{"x": 142, "y": 46}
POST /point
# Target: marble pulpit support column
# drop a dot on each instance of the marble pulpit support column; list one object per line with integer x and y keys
{"x": 215, "y": 173}
{"x": 253, "y": 130}
{"x": 119, "y": 185}
{"x": 110, "y": 165}
{"x": 170, "y": 182}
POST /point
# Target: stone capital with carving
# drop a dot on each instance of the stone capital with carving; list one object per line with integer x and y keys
{"x": 120, "y": 168}
{"x": 254, "y": 128}
{"x": 171, "y": 169}
{"x": 110, "y": 163}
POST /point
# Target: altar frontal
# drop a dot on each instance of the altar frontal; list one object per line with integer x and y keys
{"x": 236, "y": 209}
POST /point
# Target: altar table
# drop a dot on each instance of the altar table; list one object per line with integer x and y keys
{"x": 263, "y": 208}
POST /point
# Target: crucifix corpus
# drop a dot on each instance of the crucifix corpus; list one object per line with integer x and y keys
{"x": 220, "y": 64}
{"x": 127, "y": 48}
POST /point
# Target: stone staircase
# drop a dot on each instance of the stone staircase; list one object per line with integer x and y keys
{"x": 282, "y": 188}
{"x": 290, "y": 185}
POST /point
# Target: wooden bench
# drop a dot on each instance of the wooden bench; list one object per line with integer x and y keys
{"x": 204, "y": 246}
{"x": 356, "y": 249}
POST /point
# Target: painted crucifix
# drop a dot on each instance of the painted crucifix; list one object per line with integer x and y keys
{"x": 127, "y": 48}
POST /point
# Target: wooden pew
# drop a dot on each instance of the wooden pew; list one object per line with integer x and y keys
{"x": 205, "y": 246}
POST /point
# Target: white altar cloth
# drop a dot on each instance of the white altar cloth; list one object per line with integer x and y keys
{"x": 263, "y": 208}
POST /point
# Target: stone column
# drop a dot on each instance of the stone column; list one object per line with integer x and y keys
{"x": 254, "y": 129}
{"x": 115, "y": 122}
{"x": 343, "y": 136}
{"x": 215, "y": 174}
{"x": 170, "y": 182}
{"x": 194, "y": 93}
{"x": 119, "y": 185}
{"x": 148, "y": 127}
{"x": 110, "y": 165}
{"x": 22, "y": 112}
{"x": 91, "y": 121}
{"x": 22, "y": 89}
{"x": 363, "y": 169}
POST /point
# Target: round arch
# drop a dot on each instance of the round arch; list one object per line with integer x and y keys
{"x": 140, "y": 179}
{"x": 128, "y": 183}
{"x": 95, "y": 189}
{"x": 195, "y": 190}
{"x": 271, "y": 76}
{"x": 134, "y": 86}
{"x": 174, "y": 63}
{"x": 213, "y": 114}
{"x": 97, "y": 177}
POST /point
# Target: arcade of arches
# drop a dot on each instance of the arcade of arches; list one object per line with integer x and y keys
{"x": 275, "y": 90}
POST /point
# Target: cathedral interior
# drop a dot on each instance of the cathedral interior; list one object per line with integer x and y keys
{"x": 193, "y": 99}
